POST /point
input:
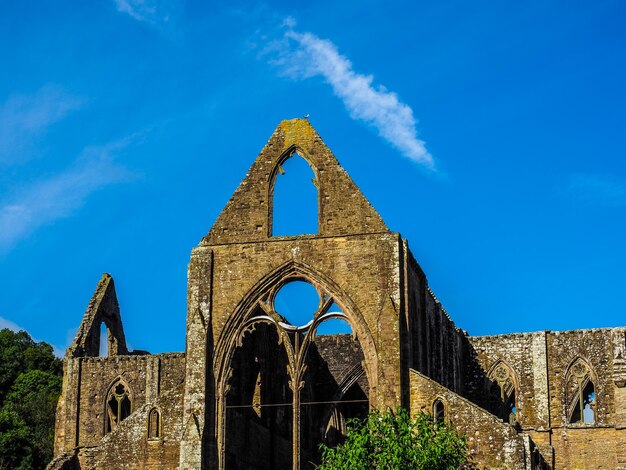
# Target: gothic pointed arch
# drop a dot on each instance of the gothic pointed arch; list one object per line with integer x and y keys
{"x": 104, "y": 309}
{"x": 504, "y": 386}
{"x": 343, "y": 209}
{"x": 264, "y": 291}
{"x": 239, "y": 361}
{"x": 275, "y": 212}
{"x": 580, "y": 394}
{"x": 118, "y": 403}
{"x": 333, "y": 416}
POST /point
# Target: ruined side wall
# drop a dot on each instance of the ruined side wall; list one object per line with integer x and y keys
{"x": 540, "y": 362}
{"x": 594, "y": 346}
{"x": 128, "y": 446}
{"x": 432, "y": 344}
{"x": 340, "y": 354}
{"x": 493, "y": 444}
{"x": 525, "y": 354}
{"x": 81, "y": 418}
{"x": 603, "y": 444}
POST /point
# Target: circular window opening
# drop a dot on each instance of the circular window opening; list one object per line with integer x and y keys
{"x": 297, "y": 301}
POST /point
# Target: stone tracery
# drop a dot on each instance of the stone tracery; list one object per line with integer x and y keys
{"x": 295, "y": 343}
{"x": 580, "y": 393}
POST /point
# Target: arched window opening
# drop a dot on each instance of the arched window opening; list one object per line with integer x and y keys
{"x": 154, "y": 424}
{"x": 104, "y": 340}
{"x": 295, "y": 199}
{"x": 439, "y": 412}
{"x": 294, "y": 383}
{"x": 118, "y": 405}
{"x": 352, "y": 404}
{"x": 335, "y": 388}
{"x": 297, "y": 302}
{"x": 259, "y": 403}
{"x": 580, "y": 394}
{"x": 503, "y": 392}
{"x": 334, "y": 326}
{"x": 589, "y": 402}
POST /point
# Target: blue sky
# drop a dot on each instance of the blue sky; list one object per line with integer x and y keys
{"x": 490, "y": 134}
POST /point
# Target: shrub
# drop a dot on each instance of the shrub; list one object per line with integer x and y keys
{"x": 388, "y": 440}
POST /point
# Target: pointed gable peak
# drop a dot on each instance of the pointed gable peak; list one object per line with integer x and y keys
{"x": 342, "y": 207}
{"x": 103, "y": 308}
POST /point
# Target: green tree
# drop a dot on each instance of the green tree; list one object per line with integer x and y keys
{"x": 15, "y": 449}
{"x": 390, "y": 441}
{"x": 12, "y": 361}
{"x": 30, "y": 384}
{"x": 19, "y": 353}
{"x": 33, "y": 397}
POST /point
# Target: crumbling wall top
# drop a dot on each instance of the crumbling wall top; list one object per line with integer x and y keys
{"x": 342, "y": 208}
{"x": 103, "y": 307}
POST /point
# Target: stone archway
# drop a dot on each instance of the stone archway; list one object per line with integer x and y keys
{"x": 264, "y": 367}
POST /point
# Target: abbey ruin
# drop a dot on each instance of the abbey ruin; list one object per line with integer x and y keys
{"x": 253, "y": 391}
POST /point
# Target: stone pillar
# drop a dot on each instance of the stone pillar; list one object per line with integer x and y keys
{"x": 153, "y": 379}
{"x": 540, "y": 379}
{"x": 196, "y": 380}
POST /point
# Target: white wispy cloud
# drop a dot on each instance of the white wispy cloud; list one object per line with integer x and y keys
{"x": 304, "y": 55}
{"x": 590, "y": 189}
{"x": 25, "y": 117}
{"x": 153, "y": 12}
{"x": 48, "y": 200}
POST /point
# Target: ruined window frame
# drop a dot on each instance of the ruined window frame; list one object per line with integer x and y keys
{"x": 159, "y": 430}
{"x": 504, "y": 376}
{"x": 440, "y": 415}
{"x": 287, "y": 154}
{"x": 108, "y": 424}
{"x": 582, "y": 374}
{"x": 262, "y": 310}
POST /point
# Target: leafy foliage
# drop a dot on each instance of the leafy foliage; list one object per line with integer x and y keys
{"x": 389, "y": 441}
{"x": 30, "y": 384}
{"x": 14, "y": 441}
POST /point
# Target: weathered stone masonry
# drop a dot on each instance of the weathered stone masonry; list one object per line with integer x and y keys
{"x": 253, "y": 391}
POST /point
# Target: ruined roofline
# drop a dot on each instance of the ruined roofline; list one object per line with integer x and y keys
{"x": 342, "y": 207}
{"x": 521, "y": 333}
{"x": 133, "y": 357}
{"x": 307, "y": 236}
{"x": 557, "y": 332}
{"x": 438, "y": 302}
{"x": 102, "y": 308}
{"x": 429, "y": 291}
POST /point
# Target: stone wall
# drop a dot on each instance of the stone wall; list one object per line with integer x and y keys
{"x": 81, "y": 411}
{"x": 353, "y": 258}
{"x": 541, "y": 362}
{"x": 405, "y": 350}
{"x": 129, "y": 446}
{"x": 432, "y": 344}
{"x": 342, "y": 356}
{"x": 493, "y": 444}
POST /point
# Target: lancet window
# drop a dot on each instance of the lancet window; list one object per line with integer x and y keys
{"x": 504, "y": 390}
{"x": 439, "y": 410}
{"x": 154, "y": 424}
{"x": 580, "y": 394}
{"x": 118, "y": 405}
{"x": 288, "y": 389}
{"x": 294, "y": 198}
